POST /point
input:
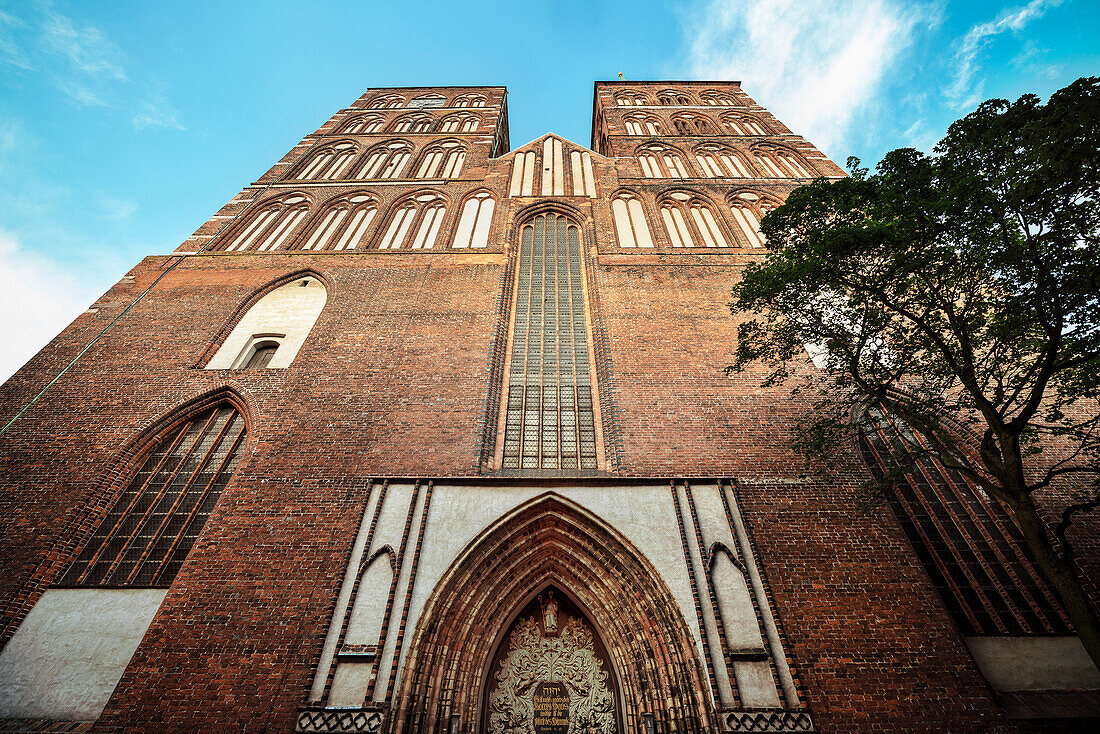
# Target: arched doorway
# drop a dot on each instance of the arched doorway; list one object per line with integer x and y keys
{"x": 551, "y": 673}
{"x": 551, "y": 543}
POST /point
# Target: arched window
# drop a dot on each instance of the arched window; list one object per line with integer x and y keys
{"x": 660, "y": 162}
{"x": 674, "y": 98}
{"x": 462, "y": 122}
{"x": 627, "y": 99}
{"x": 281, "y": 319}
{"x": 414, "y": 223}
{"x": 386, "y": 102}
{"x": 748, "y": 209}
{"x": 642, "y": 125}
{"x": 416, "y": 123}
{"x": 686, "y": 124}
{"x": 968, "y": 542}
{"x": 690, "y": 222}
{"x": 329, "y": 162}
{"x": 719, "y": 99}
{"x": 523, "y": 174}
{"x": 719, "y": 162}
{"x": 580, "y": 165}
{"x": 743, "y": 125}
{"x": 152, "y": 526}
{"x": 425, "y": 101}
{"x": 442, "y": 160}
{"x": 385, "y": 161}
{"x": 270, "y": 225}
{"x": 469, "y": 100}
{"x": 474, "y": 223}
{"x": 630, "y": 221}
{"x": 781, "y": 163}
{"x": 362, "y": 124}
{"x": 343, "y": 224}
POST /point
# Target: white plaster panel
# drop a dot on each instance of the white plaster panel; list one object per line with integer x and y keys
{"x": 68, "y": 655}
{"x": 349, "y": 684}
{"x": 1034, "y": 663}
{"x": 643, "y": 514}
{"x": 290, "y": 310}
{"x": 391, "y": 522}
{"x": 755, "y": 684}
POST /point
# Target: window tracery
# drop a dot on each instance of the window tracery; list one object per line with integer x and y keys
{"x": 690, "y": 222}
{"x": 642, "y": 125}
{"x": 747, "y": 209}
{"x": 270, "y": 225}
{"x": 628, "y": 99}
{"x": 329, "y": 162}
{"x": 362, "y": 124}
{"x": 385, "y": 161}
{"x": 718, "y": 99}
{"x": 673, "y": 98}
{"x": 442, "y": 160}
{"x": 415, "y": 123}
{"x": 415, "y": 222}
{"x": 630, "y": 221}
{"x": 474, "y": 222}
{"x": 343, "y": 224}
{"x": 781, "y": 163}
{"x": 469, "y": 100}
{"x": 659, "y": 161}
{"x": 719, "y": 162}
{"x": 744, "y": 125}
{"x": 688, "y": 124}
{"x": 463, "y": 122}
{"x": 386, "y": 102}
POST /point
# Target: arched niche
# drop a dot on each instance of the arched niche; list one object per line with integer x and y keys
{"x": 551, "y": 542}
{"x": 283, "y": 317}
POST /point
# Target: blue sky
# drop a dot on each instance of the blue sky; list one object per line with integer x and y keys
{"x": 124, "y": 125}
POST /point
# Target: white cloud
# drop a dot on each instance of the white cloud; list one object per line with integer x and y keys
{"x": 157, "y": 111}
{"x": 964, "y": 93}
{"x": 815, "y": 66}
{"x": 38, "y": 298}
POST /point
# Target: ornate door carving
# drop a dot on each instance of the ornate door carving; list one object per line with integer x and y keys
{"x": 551, "y": 675}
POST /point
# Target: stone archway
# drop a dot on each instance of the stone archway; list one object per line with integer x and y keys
{"x": 551, "y": 541}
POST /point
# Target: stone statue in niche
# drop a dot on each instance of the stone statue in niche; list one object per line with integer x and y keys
{"x": 551, "y": 684}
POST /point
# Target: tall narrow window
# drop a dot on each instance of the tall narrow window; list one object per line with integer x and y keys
{"x": 748, "y": 209}
{"x": 330, "y": 162}
{"x": 413, "y": 124}
{"x": 781, "y": 163}
{"x": 630, "y": 221}
{"x": 660, "y": 162}
{"x": 549, "y": 418}
{"x": 523, "y": 174}
{"x": 642, "y": 125}
{"x": 260, "y": 354}
{"x": 343, "y": 224}
{"x": 719, "y": 162}
{"x": 442, "y": 161}
{"x": 362, "y": 124}
{"x": 414, "y": 223}
{"x": 385, "y": 161}
{"x": 580, "y": 165}
{"x": 690, "y": 222}
{"x": 152, "y": 526}
{"x": 968, "y": 542}
{"x": 473, "y": 225}
{"x": 270, "y": 225}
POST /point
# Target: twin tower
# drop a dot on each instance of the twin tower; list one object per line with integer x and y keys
{"x": 420, "y": 433}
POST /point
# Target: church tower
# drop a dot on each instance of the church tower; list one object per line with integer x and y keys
{"x": 423, "y": 433}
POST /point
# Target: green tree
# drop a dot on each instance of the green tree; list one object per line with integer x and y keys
{"x": 961, "y": 292}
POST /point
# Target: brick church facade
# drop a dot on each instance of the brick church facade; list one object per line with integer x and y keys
{"x": 421, "y": 433}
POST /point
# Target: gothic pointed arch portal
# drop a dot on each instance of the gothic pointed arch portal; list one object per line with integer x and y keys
{"x": 606, "y": 585}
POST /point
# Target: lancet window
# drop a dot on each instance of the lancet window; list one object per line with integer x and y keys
{"x": 362, "y": 124}
{"x": 628, "y": 99}
{"x": 474, "y": 222}
{"x": 781, "y": 163}
{"x": 690, "y": 222}
{"x": 343, "y": 225}
{"x": 584, "y": 182}
{"x": 743, "y": 125}
{"x": 673, "y": 98}
{"x": 967, "y": 541}
{"x": 330, "y": 162}
{"x": 414, "y": 223}
{"x": 385, "y": 161}
{"x": 443, "y": 160}
{"x": 630, "y": 221}
{"x": 718, "y": 99}
{"x": 152, "y": 526}
{"x": 271, "y": 224}
{"x": 720, "y": 162}
{"x": 413, "y": 124}
{"x": 462, "y": 122}
{"x": 642, "y": 125}
{"x": 661, "y": 162}
{"x": 691, "y": 125}
{"x": 469, "y": 100}
{"x": 386, "y": 102}
{"x": 549, "y": 419}
{"x": 523, "y": 174}
{"x": 747, "y": 210}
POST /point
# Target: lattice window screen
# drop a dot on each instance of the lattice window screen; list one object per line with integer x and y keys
{"x": 148, "y": 532}
{"x": 549, "y": 420}
{"x": 968, "y": 543}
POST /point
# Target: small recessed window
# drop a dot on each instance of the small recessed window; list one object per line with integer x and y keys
{"x": 260, "y": 351}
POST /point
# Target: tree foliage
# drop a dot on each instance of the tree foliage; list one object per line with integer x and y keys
{"x": 961, "y": 292}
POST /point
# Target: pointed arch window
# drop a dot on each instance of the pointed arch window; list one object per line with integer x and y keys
{"x": 344, "y": 224}
{"x": 362, "y": 124}
{"x": 386, "y": 102}
{"x": 523, "y": 174}
{"x": 673, "y": 98}
{"x": 630, "y": 221}
{"x": 642, "y": 125}
{"x": 628, "y": 99}
{"x": 330, "y": 162}
{"x": 718, "y": 99}
{"x": 152, "y": 526}
{"x": 474, "y": 223}
{"x": 413, "y": 124}
{"x": 660, "y": 162}
{"x": 414, "y": 223}
{"x": 443, "y": 160}
{"x": 720, "y": 162}
{"x": 744, "y": 125}
{"x": 385, "y": 161}
{"x": 271, "y": 224}
{"x": 690, "y": 222}
{"x": 747, "y": 210}
{"x": 691, "y": 125}
{"x": 462, "y": 122}
{"x": 781, "y": 163}
{"x": 469, "y": 100}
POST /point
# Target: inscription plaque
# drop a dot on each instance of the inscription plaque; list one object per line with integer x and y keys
{"x": 551, "y": 703}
